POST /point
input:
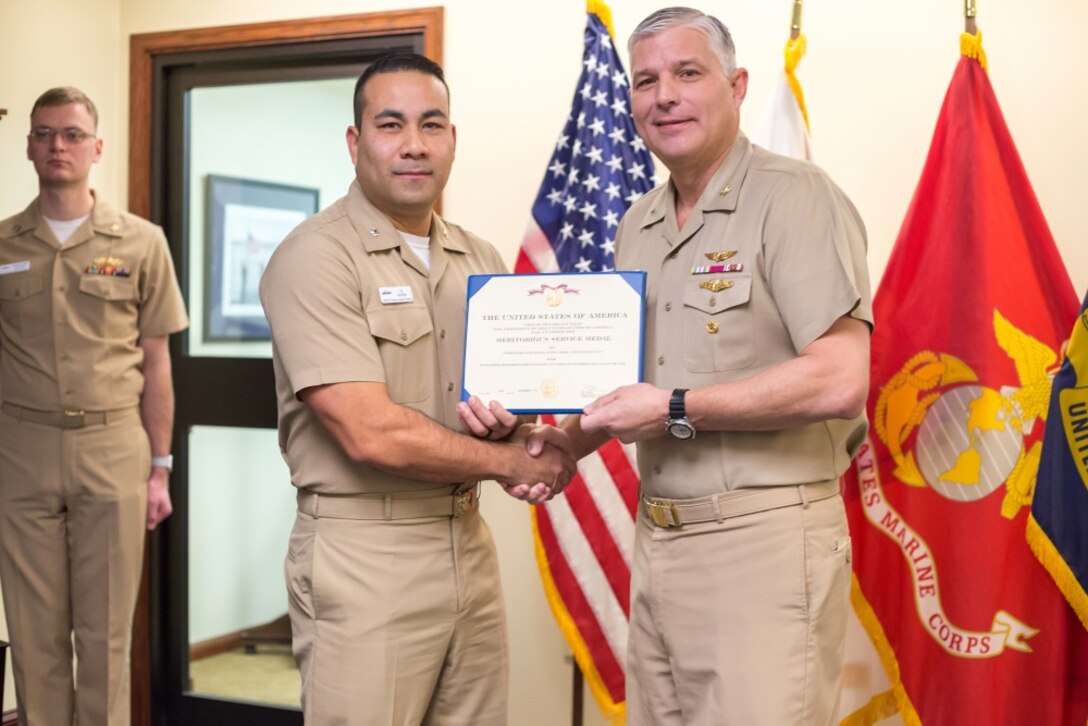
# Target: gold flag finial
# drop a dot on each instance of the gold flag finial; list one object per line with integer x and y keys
{"x": 969, "y": 24}
{"x": 602, "y": 11}
{"x": 795, "y": 21}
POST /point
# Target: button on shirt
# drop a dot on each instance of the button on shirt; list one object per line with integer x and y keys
{"x": 347, "y": 301}
{"x": 71, "y": 317}
{"x": 794, "y": 251}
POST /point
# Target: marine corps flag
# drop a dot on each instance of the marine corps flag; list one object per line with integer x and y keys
{"x": 1058, "y": 526}
{"x": 971, "y": 315}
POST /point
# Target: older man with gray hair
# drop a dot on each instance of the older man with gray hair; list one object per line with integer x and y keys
{"x": 758, "y": 316}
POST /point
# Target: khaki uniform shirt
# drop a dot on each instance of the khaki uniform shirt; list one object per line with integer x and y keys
{"x": 348, "y": 301}
{"x": 798, "y": 246}
{"x": 71, "y": 316}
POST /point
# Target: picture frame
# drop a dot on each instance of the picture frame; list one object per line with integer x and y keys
{"x": 246, "y": 221}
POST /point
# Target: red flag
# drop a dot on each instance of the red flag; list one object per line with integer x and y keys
{"x": 970, "y": 317}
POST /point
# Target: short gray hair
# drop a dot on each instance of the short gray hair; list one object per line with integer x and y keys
{"x": 720, "y": 41}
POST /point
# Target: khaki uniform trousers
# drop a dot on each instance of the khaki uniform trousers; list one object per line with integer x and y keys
{"x": 397, "y": 622}
{"x": 73, "y": 513}
{"x": 740, "y": 622}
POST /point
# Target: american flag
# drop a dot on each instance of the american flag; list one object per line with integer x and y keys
{"x": 584, "y": 538}
{"x": 599, "y": 167}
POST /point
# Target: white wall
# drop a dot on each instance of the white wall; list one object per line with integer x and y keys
{"x": 874, "y": 78}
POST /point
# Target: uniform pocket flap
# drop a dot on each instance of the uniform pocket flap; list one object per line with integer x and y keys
{"x": 108, "y": 287}
{"x": 18, "y": 287}
{"x": 716, "y": 293}
{"x": 401, "y": 324}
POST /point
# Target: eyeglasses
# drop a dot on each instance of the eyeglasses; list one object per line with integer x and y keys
{"x": 70, "y": 135}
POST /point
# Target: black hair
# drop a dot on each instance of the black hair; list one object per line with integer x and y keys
{"x": 393, "y": 63}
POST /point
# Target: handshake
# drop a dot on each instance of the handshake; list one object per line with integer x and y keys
{"x": 536, "y": 460}
{"x": 631, "y": 413}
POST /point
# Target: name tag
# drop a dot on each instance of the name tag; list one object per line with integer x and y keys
{"x": 15, "y": 267}
{"x": 392, "y": 295}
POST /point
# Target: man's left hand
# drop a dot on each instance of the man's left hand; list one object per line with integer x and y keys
{"x": 491, "y": 422}
{"x": 629, "y": 413}
{"x": 158, "y": 497}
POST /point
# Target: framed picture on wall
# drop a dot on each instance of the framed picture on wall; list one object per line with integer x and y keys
{"x": 246, "y": 221}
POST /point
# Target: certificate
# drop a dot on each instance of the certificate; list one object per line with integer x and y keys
{"x": 552, "y": 343}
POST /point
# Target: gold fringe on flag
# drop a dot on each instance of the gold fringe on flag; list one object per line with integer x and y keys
{"x": 614, "y": 713}
{"x": 794, "y": 51}
{"x": 871, "y": 623}
{"x": 602, "y": 11}
{"x": 879, "y": 707}
{"x": 971, "y": 46}
{"x": 1058, "y": 568}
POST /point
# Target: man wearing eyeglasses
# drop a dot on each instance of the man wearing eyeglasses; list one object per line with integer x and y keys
{"x": 88, "y": 298}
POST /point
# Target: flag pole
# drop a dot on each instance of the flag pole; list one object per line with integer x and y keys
{"x": 795, "y": 49}
{"x": 969, "y": 25}
{"x": 971, "y": 38}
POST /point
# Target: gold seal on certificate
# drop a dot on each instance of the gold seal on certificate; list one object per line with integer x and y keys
{"x": 552, "y": 343}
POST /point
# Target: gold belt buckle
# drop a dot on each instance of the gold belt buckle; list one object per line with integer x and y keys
{"x": 74, "y": 418}
{"x": 464, "y": 503}
{"x": 663, "y": 514}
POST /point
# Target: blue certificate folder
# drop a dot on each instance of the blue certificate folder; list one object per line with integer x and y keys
{"x": 552, "y": 342}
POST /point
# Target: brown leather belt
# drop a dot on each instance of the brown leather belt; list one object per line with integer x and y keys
{"x": 678, "y": 512}
{"x": 388, "y": 506}
{"x": 72, "y": 418}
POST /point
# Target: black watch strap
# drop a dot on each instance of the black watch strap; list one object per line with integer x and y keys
{"x": 676, "y": 404}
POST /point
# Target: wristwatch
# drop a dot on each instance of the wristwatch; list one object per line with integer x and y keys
{"x": 166, "y": 462}
{"x": 678, "y": 424}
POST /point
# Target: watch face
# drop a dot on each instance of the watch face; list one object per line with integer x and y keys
{"x": 681, "y": 429}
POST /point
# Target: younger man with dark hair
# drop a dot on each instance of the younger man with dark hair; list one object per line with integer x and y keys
{"x": 395, "y": 602}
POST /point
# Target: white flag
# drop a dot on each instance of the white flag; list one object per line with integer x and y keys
{"x": 782, "y": 128}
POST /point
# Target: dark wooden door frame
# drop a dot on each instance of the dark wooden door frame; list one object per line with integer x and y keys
{"x": 146, "y": 154}
{"x": 146, "y": 46}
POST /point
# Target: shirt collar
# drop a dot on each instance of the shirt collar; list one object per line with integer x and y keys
{"x": 104, "y": 219}
{"x": 721, "y": 192}
{"x": 378, "y": 233}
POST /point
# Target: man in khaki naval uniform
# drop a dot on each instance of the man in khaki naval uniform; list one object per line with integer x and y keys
{"x": 394, "y": 594}
{"x": 87, "y": 299}
{"x": 758, "y": 302}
